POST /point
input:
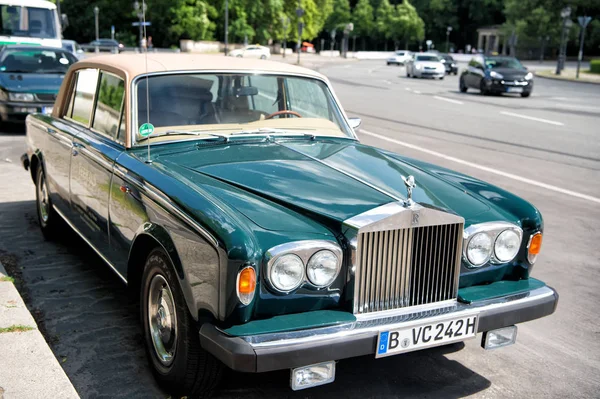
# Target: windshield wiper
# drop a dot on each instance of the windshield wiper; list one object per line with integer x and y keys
{"x": 279, "y": 132}
{"x": 186, "y": 132}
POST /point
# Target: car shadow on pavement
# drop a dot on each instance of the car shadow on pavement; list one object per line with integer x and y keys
{"x": 422, "y": 374}
{"x": 85, "y": 313}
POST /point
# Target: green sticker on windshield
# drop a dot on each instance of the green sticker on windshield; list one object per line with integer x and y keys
{"x": 146, "y": 129}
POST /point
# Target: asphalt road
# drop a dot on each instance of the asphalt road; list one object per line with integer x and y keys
{"x": 544, "y": 148}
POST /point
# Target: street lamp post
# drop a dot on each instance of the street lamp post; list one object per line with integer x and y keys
{"x": 96, "y": 12}
{"x": 140, "y": 14}
{"x": 448, "y": 30}
{"x": 286, "y": 22}
{"x": 299, "y": 13}
{"x": 226, "y": 50}
{"x": 583, "y": 22}
{"x": 565, "y": 13}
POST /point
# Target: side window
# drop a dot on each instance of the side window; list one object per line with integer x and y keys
{"x": 109, "y": 104}
{"x": 85, "y": 88}
{"x": 308, "y": 100}
{"x": 266, "y": 100}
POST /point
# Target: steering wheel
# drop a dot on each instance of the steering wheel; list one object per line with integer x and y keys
{"x": 283, "y": 112}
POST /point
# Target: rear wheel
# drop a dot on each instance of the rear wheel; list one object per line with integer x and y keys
{"x": 47, "y": 216}
{"x": 178, "y": 361}
{"x": 483, "y": 88}
{"x": 263, "y": 57}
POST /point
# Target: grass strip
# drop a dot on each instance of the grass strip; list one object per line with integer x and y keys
{"x": 16, "y": 328}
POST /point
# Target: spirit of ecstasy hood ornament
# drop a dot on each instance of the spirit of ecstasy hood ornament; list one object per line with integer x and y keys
{"x": 410, "y": 184}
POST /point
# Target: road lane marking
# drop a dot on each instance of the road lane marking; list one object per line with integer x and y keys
{"x": 448, "y": 99}
{"x": 407, "y": 89}
{"x": 416, "y": 92}
{"x": 484, "y": 168}
{"x": 531, "y": 118}
{"x": 388, "y": 82}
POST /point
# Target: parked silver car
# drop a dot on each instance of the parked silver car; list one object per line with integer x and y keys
{"x": 425, "y": 65}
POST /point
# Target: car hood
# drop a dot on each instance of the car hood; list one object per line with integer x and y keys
{"x": 329, "y": 181}
{"x": 31, "y": 82}
{"x": 511, "y": 73}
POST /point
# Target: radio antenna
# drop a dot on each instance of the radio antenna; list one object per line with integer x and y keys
{"x": 148, "y": 126}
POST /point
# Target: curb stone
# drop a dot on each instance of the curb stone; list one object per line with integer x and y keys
{"x": 538, "y": 75}
{"x": 28, "y": 368}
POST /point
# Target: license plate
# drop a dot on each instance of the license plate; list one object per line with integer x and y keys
{"x": 47, "y": 110}
{"x": 393, "y": 342}
{"x": 514, "y": 90}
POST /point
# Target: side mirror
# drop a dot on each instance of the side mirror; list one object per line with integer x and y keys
{"x": 354, "y": 123}
{"x": 245, "y": 91}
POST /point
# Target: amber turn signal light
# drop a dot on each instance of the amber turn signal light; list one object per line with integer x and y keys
{"x": 534, "y": 247}
{"x": 246, "y": 284}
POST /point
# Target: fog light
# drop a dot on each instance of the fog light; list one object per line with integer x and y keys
{"x": 313, "y": 375}
{"x": 498, "y": 338}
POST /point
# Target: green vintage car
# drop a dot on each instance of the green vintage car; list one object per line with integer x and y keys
{"x": 236, "y": 201}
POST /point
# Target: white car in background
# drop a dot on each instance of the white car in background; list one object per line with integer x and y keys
{"x": 400, "y": 57}
{"x": 256, "y": 51}
{"x": 425, "y": 65}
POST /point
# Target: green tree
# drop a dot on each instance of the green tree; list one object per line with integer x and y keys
{"x": 340, "y": 16}
{"x": 384, "y": 20}
{"x": 364, "y": 20}
{"x": 406, "y": 24}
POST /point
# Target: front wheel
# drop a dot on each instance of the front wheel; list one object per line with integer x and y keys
{"x": 178, "y": 361}
{"x": 263, "y": 57}
{"x": 527, "y": 94}
{"x": 483, "y": 88}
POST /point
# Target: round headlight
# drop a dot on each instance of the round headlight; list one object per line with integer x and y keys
{"x": 322, "y": 268}
{"x": 507, "y": 245}
{"x": 479, "y": 249}
{"x": 287, "y": 273}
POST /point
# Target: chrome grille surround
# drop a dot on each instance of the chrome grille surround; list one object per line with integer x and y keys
{"x": 404, "y": 257}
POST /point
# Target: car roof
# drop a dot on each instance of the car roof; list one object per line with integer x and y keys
{"x": 429, "y": 54}
{"x": 135, "y": 64}
{"x": 30, "y": 47}
{"x": 33, "y": 3}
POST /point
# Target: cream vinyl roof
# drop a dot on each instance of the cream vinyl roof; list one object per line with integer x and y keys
{"x": 135, "y": 64}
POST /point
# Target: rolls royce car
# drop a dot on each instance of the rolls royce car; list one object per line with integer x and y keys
{"x": 235, "y": 200}
{"x": 425, "y": 65}
{"x": 30, "y": 78}
{"x": 496, "y": 75}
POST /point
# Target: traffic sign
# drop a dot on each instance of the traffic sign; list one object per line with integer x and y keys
{"x": 584, "y": 21}
{"x": 141, "y": 23}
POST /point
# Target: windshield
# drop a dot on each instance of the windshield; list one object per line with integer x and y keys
{"x": 36, "y": 61}
{"x": 239, "y": 103}
{"x": 427, "y": 58}
{"x": 505, "y": 62}
{"x": 27, "y": 22}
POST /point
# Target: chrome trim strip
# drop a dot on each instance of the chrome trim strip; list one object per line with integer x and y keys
{"x": 89, "y": 243}
{"x": 382, "y": 191}
{"x": 374, "y": 326}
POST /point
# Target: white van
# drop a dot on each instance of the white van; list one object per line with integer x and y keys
{"x": 29, "y": 22}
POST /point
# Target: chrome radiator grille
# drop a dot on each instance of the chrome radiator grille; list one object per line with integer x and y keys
{"x": 407, "y": 267}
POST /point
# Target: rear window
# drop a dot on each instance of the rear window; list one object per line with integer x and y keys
{"x": 82, "y": 97}
{"x": 36, "y": 61}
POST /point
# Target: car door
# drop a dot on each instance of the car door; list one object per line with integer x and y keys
{"x": 94, "y": 153}
{"x": 57, "y": 156}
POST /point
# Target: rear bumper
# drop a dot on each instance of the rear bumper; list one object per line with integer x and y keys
{"x": 267, "y": 352}
{"x": 429, "y": 74}
{"x": 17, "y": 112}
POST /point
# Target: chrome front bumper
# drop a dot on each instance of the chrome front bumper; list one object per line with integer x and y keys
{"x": 267, "y": 352}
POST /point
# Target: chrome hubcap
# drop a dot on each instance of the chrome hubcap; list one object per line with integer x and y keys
{"x": 162, "y": 319}
{"x": 43, "y": 202}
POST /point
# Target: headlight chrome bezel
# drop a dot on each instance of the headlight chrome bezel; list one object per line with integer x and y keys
{"x": 493, "y": 230}
{"x": 529, "y": 76}
{"x": 496, "y": 75}
{"x": 304, "y": 250}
